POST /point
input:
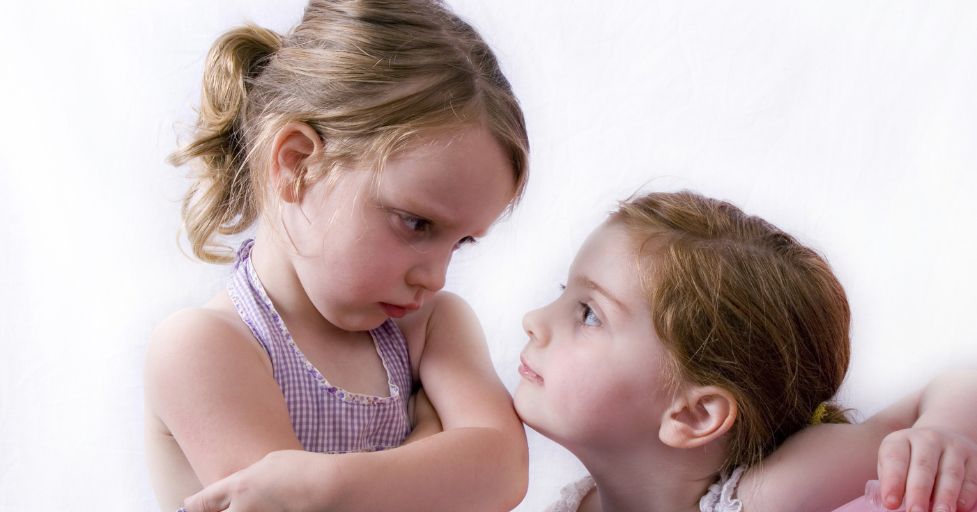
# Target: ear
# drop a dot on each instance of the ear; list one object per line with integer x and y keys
{"x": 290, "y": 151}
{"x": 698, "y": 416}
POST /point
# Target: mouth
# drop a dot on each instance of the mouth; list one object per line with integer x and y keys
{"x": 397, "y": 311}
{"x": 528, "y": 373}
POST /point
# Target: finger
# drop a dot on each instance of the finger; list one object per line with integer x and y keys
{"x": 968, "y": 488}
{"x": 949, "y": 481}
{"x": 213, "y": 498}
{"x": 894, "y": 456}
{"x": 925, "y": 459}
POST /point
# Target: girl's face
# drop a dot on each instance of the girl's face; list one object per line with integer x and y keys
{"x": 591, "y": 369}
{"x": 370, "y": 247}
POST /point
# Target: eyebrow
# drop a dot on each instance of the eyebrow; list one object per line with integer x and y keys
{"x": 591, "y": 284}
{"x": 429, "y": 212}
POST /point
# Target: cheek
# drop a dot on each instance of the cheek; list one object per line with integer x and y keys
{"x": 610, "y": 403}
{"x": 575, "y": 397}
{"x": 598, "y": 403}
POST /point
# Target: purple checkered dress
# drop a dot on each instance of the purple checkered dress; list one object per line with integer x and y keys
{"x": 326, "y": 418}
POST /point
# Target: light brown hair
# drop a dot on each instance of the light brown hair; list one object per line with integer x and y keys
{"x": 742, "y": 305}
{"x": 370, "y": 76}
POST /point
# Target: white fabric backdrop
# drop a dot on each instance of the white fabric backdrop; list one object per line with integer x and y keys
{"x": 851, "y": 124}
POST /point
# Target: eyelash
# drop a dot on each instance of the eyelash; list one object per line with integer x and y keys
{"x": 416, "y": 224}
{"x": 586, "y": 311}
{"x": 423, "y": 225}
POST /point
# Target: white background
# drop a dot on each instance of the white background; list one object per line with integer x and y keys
{"x": 851, "y": 124}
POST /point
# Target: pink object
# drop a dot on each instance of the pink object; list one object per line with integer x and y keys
{"x": 870, "y": 502}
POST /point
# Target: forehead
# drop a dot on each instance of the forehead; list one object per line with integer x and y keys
{"x": 452, "y": 172}
{"x": 609, "y": 258}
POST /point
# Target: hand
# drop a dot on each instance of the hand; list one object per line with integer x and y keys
{"x": 928, "y": 465}
{"x": 276, "y": 483}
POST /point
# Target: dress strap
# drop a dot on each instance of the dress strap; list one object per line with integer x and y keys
{"x": 719, "y": 498}
{"x": 243, "y": 252}
{"x": 572, "y": 495}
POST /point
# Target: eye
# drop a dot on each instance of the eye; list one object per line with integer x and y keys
{"x": 588, "y": 317}
{"x": 414, "y": 223}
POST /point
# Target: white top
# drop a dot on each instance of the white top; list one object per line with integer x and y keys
{"x": 719, "y": 497}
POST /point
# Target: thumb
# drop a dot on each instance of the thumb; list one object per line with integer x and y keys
{"x": 213, "y": 498}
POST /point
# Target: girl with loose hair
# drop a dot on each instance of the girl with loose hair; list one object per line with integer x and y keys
{"x": 366, "y": 146}
{"x": 691, "y": 361}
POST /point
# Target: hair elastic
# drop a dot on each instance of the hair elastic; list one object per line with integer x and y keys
{"x": 819, "y": 413}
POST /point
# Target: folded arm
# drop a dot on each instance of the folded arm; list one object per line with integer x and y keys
{"x": 210, "y": 386}
{"x": 478, "y": 462}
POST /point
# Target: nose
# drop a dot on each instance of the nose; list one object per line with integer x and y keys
{"x": 430, "y": 272}
{"x": 532, "y": 323}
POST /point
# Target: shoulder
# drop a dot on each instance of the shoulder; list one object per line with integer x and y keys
{"x": 210, "y": 385}
{"x": 443, "y": 306}
{"x": 198, "y": 344}
{"x": 444, "y": 314}
{"x": 197, "y": 332}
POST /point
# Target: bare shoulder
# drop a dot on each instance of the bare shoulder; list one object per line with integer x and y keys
{"x": 210, "y": 385}
{"x": 198, "y": 341}
{"x": 456, "y": 368}
{"x": 443, "y": 307}
{"x": 445, "y": 311}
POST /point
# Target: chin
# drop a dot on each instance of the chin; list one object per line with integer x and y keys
{"x": 525, "y": 410}
{"x": 359, "y": 322}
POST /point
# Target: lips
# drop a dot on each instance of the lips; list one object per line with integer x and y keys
{"x": 528, "y": 373}
{"x": 396, "y": 311}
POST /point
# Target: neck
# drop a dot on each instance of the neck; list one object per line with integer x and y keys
{"x": 654, "y": 478}
{"x": 271, "y": 259}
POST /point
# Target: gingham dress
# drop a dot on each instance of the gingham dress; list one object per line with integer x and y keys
{"x": 326, "y": 418}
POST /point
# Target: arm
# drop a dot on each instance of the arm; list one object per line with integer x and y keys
{"x": 424, "y": 420}
{"x": 210, "y": 385}
{"x": 937, "y": 456}
{"x": 822, "y": 467}
{"x": 479, "y": 461}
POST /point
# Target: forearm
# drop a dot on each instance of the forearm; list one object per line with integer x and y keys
{"x": 948, "y": 402}
{"x": 470, "y": 469}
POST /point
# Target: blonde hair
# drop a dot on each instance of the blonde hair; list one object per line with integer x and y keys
{"x": 742, "y": 305}
{"x": 370, "y": 76}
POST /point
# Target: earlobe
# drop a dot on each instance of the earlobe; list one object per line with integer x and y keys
{"x": 698, "y": 416}
{"x": 291, "y": 150}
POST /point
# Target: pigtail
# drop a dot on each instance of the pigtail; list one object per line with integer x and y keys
{"x": 830, "y": 412}
{"x": 221, "y": 199}
{"x": 370, "y": 76}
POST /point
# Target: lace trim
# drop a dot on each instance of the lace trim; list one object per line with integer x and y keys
{"x": 572, "y": 494}
{"x": 719, "y": 498}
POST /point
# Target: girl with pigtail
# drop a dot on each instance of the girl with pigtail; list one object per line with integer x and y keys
{"x": 365, "y": 146}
